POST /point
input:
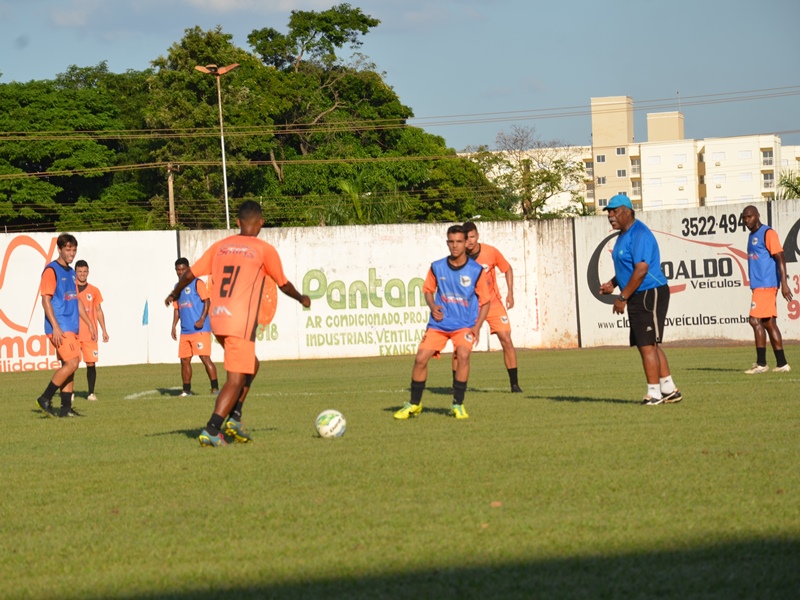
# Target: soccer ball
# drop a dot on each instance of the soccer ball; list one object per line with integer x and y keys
{"x": 331, "y": 424}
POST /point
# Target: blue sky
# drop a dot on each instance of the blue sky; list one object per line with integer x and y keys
{"x": 479, "y": 67}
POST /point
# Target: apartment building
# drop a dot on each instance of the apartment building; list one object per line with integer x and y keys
{"x": 668, "y": 171}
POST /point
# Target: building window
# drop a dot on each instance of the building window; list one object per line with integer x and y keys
{"x": 622, "y": 173}
{"x": 653, "y": 160}
{"x": 719, "y": 178}
{"x": 717, "y": 156}
{"x": 636, "y": 167}
{"x": 745, "y": 177}
{"x": 655, "y": 182}
{"x": 745, "y": 154}
{"x": 678, "y": 158}
{"x": 769, "y": 180}
{"x": 590, "y": 169}
{"x": 602, "y": 202}
{"x": 590, "y": 192}
{"x": 601, "y": 181}
{"x": 681, "y": 180}
{"x": 766, "y": 158}
{"x": 620, "y": 151}
{"x": 601, "y": 158}
{"x": 637, "y": 188}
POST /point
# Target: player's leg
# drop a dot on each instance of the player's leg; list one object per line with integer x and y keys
{"x": 462, "y": 376}
{"x": 203, "y": 350}
{"x": 776, "y": 340}
{"x": 69, "y": 354}
{"x": 233, "y": 424}
{"x": 760, "y": 309}
{"x": 91, "y": 379}
{"x": 510, "y": 359}
{"x": 669, "y": 392}
{"x": 239, "y": 362}
{"x": 646, "y": 314}
{"x": 89, "y": 353}
{"x": 431, "y": 345}
{"x": 186, "y": 376}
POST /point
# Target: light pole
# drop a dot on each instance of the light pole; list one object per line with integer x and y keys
{"x": 219, "y": 72}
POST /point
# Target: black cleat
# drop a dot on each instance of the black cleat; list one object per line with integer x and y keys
{"x": 515, "y": 389}
{"x": 44, "y": 405}
{"x": 673, "y": 398}
{"x": 71, "y": 412}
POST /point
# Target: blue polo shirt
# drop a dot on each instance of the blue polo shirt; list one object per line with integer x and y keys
{"x": 636, "y": 245}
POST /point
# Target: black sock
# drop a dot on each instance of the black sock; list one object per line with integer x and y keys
{"x": 214, "y": 384}
{"x": 214, "y": 424}
{"x": 66, "y": 402}
{"x": 91, "y": 378}
{"x": 512, "y": 376}
{"x": 454, "y": 377}
{"x": 236, "y": 413}
{"x": 761, "y": 356}
{"x": 459, "y": 389}
{"x": 187, "y": 387}
{"x": 50, "y": 391}
{"x": 780, "y": 357}
{"x": 417, "y": 387}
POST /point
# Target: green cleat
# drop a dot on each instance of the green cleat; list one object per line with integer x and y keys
{"x": 236, "y": 430}
{"x": 211, "y": 441}
{"x": 408, "y": 410}
{"x": 459, "y": 412}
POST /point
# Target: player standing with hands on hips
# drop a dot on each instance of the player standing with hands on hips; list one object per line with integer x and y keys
{"x": 644, "y": 290}
{"x": 766, "y": 267}
{"x": 238, "y": 266}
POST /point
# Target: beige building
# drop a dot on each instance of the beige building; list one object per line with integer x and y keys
{"x": 668, "y": 171}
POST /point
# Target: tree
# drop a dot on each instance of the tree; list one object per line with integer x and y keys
{"x": 788, "y": 186}
{"x": 532, "y": 172}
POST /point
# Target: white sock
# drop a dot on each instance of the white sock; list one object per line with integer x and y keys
{"x": 667, "y": 385}
{"x": 653, "y": 390}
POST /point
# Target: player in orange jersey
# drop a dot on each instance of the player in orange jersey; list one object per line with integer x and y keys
{"x": 92, "y": 301}
{"x": 238, "y": 265}
{"x": 490, "y": 257}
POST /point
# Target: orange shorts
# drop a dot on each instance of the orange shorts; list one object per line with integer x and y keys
{"x": 194, "y": 344}
{"x": 70, "y": 346}
{"x": 763, "y": 305}
{"x": 240, "y": 355}
{"x": 89, "y": 351}
{"x": 498, "y": 318}
{"x": 435, "y": 339}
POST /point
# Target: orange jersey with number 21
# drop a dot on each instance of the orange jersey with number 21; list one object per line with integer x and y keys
{"x": 238, "y": 266}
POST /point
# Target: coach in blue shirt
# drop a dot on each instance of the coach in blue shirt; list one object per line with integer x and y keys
{"x": 644, "y": 290}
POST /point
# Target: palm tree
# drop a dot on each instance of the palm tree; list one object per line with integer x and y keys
{"x": 788, "y": 186}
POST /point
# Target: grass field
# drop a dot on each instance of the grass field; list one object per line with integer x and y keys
{"x": 570, "y": 490}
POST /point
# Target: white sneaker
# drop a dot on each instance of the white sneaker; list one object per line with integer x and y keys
{"x": 185, "y": 394}
{"x": 783, "y": 369}
{"x": 757, "y": 369}
{"x": 92, "y": 397}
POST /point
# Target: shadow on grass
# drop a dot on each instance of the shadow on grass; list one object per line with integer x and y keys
{"x": 715, "y": 369}
{"x": 764, "y": 569}
{"x": 584, "y": 399}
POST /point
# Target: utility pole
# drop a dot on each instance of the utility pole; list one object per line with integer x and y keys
{"x": 171, "y": 194}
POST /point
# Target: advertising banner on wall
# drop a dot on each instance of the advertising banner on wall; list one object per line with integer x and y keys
{"x": 133, "y": 272}
{"x": 704, "y": 257}
{"x": 365, "y": 285}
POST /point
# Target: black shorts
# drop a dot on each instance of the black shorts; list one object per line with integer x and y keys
{"x": 647, "y": 312}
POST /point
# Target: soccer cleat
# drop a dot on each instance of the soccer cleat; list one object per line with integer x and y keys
{"x": 92, "y": 397}
{"x": 236, "y": 430}
{"x": 459, "y": 412}
{"x": 214, "y": 391}
{"x": 211, "y": 441}
{"x": 757, "y": 369}
{"x": 44, "y": 405}
{"x": 673, "y": 397}
{"x": 186, "y": 394}
{"x": 408, "y": 410}
{"x": 515, "y": 389}
{"x": 783, "y": 369}
{"x": 69, "y": 413}
{"x": 650, "y": 401}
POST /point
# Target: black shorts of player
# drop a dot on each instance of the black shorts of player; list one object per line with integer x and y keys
{"x": 647, "y": 312}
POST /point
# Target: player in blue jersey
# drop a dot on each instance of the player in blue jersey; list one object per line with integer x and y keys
{"x": 458, "y": 296}
{"x": 766, "y": 267}
{"x": 63, "y": 312}
{"x": 644, "y": 290}
{"x": 192, "y": 310}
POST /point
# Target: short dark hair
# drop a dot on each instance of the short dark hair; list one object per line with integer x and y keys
{"x": 182, "y": 261}
{"x": 66, "y": 238}
{"x": 456, "y": 229}
{"x": 469, "y": 226}
{"x": 249, "y": 209}
{"x": 81, "y": 263}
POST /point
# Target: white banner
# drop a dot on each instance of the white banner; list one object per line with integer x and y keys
{"x": 703, "y": 255}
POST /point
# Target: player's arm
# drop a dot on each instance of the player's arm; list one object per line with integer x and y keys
{"x": 101, "y": 318}
{"x": 429, "y": 292}
{"x": 639, "y": 273}
{"x": 187, "y": 278}
{"x": 206, "y": 307}
{"x": 510, "y": 285}
{"x": 85, "y": 316}
{"x": 775, "y": 249}
{"x": 47, "y": 305}
{"x": 175, "y": 318}
{"x": 484, "y": 302}
{"x": 291, "y": 291}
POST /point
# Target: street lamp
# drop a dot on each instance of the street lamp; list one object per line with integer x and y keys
{"x": 219, "y": 72}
